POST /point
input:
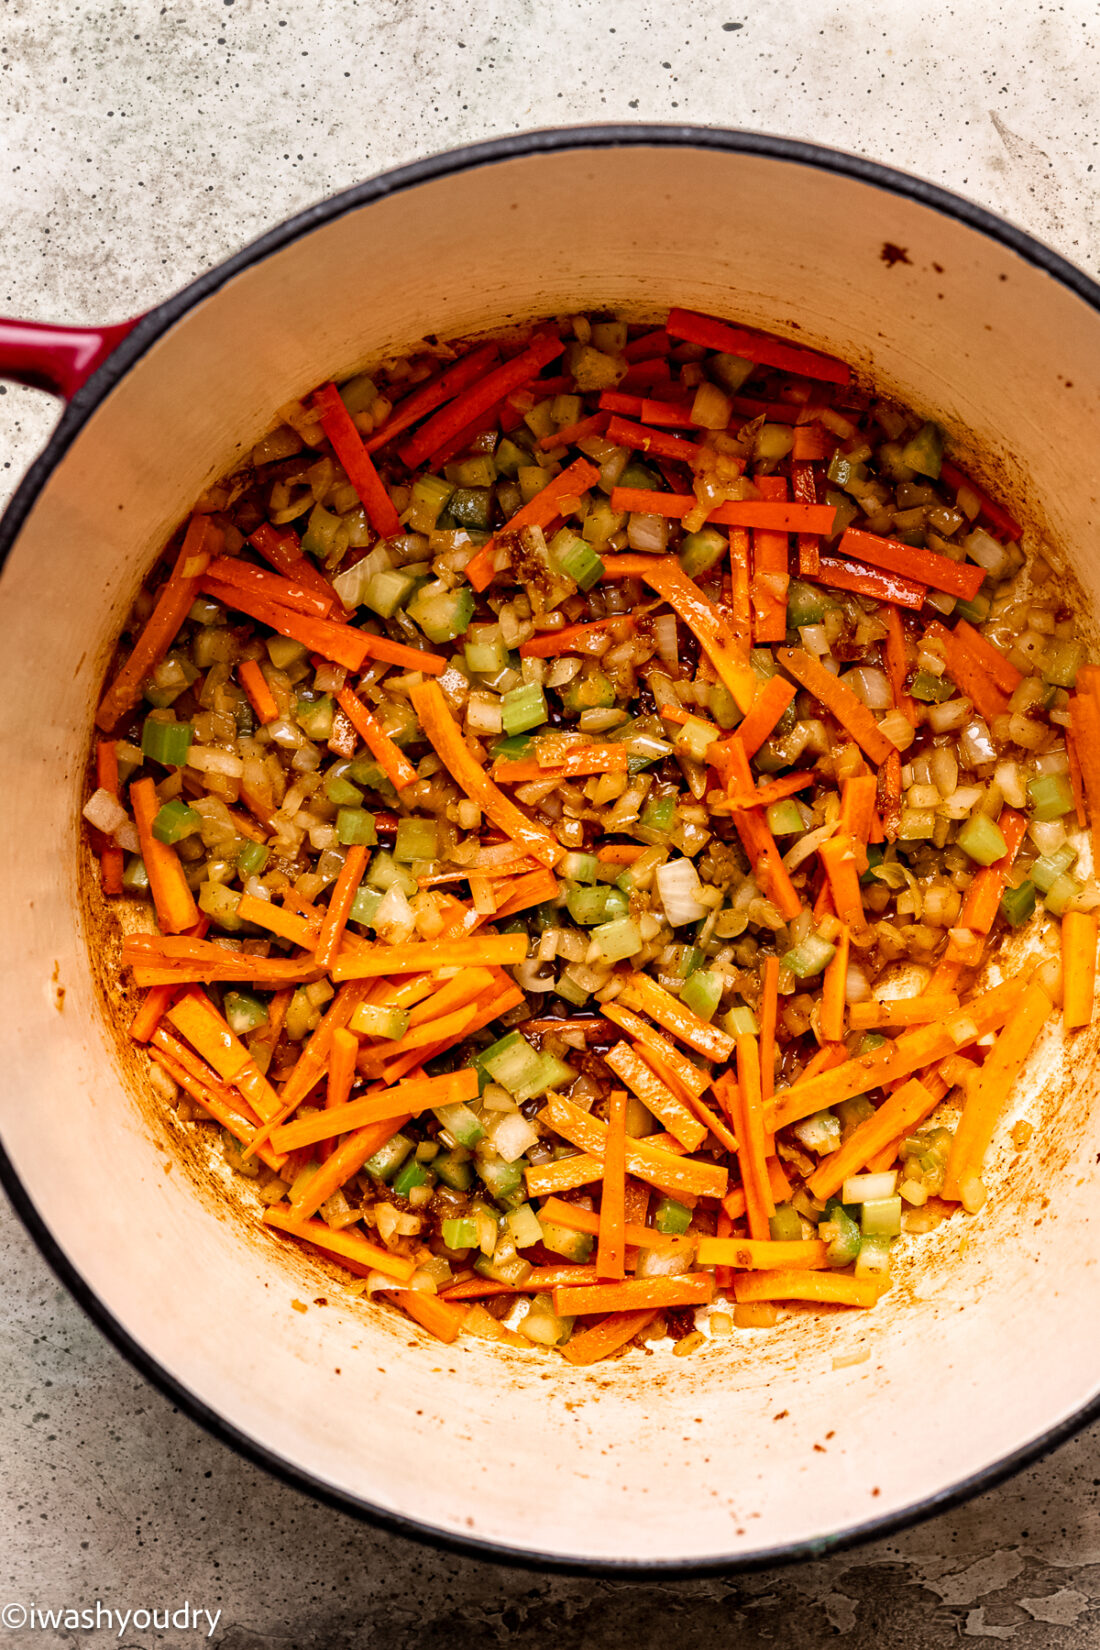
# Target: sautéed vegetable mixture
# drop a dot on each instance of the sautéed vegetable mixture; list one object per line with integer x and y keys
{"x": 576, "y": 782}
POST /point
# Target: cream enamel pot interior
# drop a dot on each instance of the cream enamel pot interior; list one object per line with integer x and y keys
{"x": 770, "y": 1444}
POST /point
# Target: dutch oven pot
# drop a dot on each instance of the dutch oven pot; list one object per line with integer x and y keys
{"x": 768, "y": 1444}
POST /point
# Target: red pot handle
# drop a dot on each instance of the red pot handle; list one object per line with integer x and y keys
{"x": 55, "y": 358}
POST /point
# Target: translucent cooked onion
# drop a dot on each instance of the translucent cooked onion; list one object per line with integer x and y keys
{"x": 950, "y": 715}
{"x": 679, "y": 887}
{"x": 976, "y": 746}
{"x": 872, "y": 686}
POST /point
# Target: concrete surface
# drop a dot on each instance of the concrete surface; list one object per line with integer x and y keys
{"x": 143, "y": 140}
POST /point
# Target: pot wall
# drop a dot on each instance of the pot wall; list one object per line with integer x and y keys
{"x": 742, "y": 1448}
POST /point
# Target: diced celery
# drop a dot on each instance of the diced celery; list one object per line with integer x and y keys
{"x": 283, "y": 651}
{"x": 694, "y": 738}
{"x": 591, "y": 906}
{"x": 485, "y": 651}
{"x": 701, "y": 551}
{"x": 220, "y": 903}
{"x": 844, "y": 1246}
{"x": 723, "y": 706}
{"x": 578, "y": 867}
{"x": 873, "y": 1260}
{"x": 385, "y": 872}
{"x": 594, "y": 692}
{"x": 387, "y": 590}
{"x": 820, "y": 1132}
{"x": 672, "y": 1218}
{"x": 524, "y": 708}
{"x": 870, "y": 1041}
{"x": 508, "y": 457}
{"x": 1051, "y": 796}
{"x": 1046, "y": 871}
{"x": 314, "y": 714}
{"x": 929, "y": 689}
{"x": 166, "y": 742}
{"x": 576, "y": 558}
{"x": 514, "y": 749}
{"x": 442, "y": 614}
{"x": 380, "y": 1020}
{"x": 690, "y": 958}
{"x": 430, "y": 497}
{"x": 342, "y": 791}
{"x": 251, "y": 858}
{"x": 702, "y": 992}
{"x": 982, "y": 840}
{"x": 740, "y": 1021}
{"x": 881, "y": 1217}
{"x": 1061, "y": 661}
{"x": 389, "y": 1158}
{"x": 416, "y": 839}
{"x": 135, "y": 878}
{"x": 638, "y": 476}
{"x": 785, "y": 1226}
{"x": 784, "y": 818}
{"x": 523, "y": 1223}
{"x": 563, "y": 1240}
{"x": 503, "y": 1181}
{"x": 924, "y": 451}
{"x": 660, "y": 814}
{"x": 355, "y": 826}
{"x": 455, "y": 1170}
{"x": 806, "y": 604}
{"x": 975, "y": 612}
{"x": 460, "y": 1123}
{"x": 175, "y": 820}
{"x": 1017, "y": 904}
{"x": 513, "y": 1063}
{"x": 476, "y": 471}
{"x": 1061, "y": 891}
{"x": 618, "y": 939}
{"x": 243, "y": 1011}
{"x": 809, "y": 957}
{"x": 410, "y": 1174}
{"x": 459, "y": 1234}
{"x": 364, "y": 906}
{"x": 471, "y": 506}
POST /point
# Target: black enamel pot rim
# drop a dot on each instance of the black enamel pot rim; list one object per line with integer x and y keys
{"x": 151, "y": 327}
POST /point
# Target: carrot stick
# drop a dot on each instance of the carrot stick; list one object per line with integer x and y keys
{"x": 894, "y": 658}
{"x": 465, "y": 988}
{"x": 281, "y": 547}
{"x": 402, "y": 1100}
{"x": 993, "y": 514}
{"x": 710, "y": 1120}
{"x": 645, "y": 995}
{"x": 735, "y": 1204}
{"x": 757, "y": 1255}
{"x": 489, "y": 1008}
{"x": 838, "y": 856}
{"x": 687, "y": 1074}
{"x": 202, "y": 1085}
{"x": 955, "y": 578}
{"x": 429, "y": 956}
{"x": 836, "y": 1288}
{"x": 810, "y": 442}
{"x": 771, "y": 702}
{"x": 565, "y": 1175}
{"x": 175, "y": 906}
{"x": 540, "y": 1278}
{"x": 990, "y": 1089}
{"x": 440, "y": 1318}
{"x": 769, "y": 1014}
{"x": 762, "y": 796}
{"x": 254, "y": 682}
{"x": 620, "y": 853}
{"x": 288, "y": 925}
{"x": 346, "y": 1161}
{"x": 660, "y": 1168}
{"x": 174, "y": 601}
{"x": 1075, "y": 778}
{"x": 341, "y": 1075}
{"x": 539, "y": 512}
{"x": 833, "y": 989}
{"x": 856, "y": 576}
{"x": 767, "y": 862}
{"x": 111, "y": 859}
{"x": 760, "y": 347}
{"x": 674, "y": 414}
{"x": 904, "y": 1011}
{"x": 740, "y": 598}
{"x": 771, "y": 515}
{"x": 347, "y": 1245}
{"x": 898, "y": 1114}
{"x": 576, "y": 1219}
{"x": 595, "y": 424}
{"x": 453, "y": 1025}
{"x": 347, "y": 444}
{"x": 635, "y": 436}
{"x": 908, "y": 1053}
{"x": 611, "y": 1250}
{"x": 771, "y": 569}
{"x": 997, "y": 665}
{"x": 983, "y": 897}
{"x": 573, "y": 765}
{"x": 534, "y": 889}
{"x": 444, "y": 734}
{"x": 1079, "y": 930}
{"x": 432, "y": 393}
{"x": 648, "y": 344}
{"x": 204, "y": 1028}
{"x": 480, "y": 396}
{"x": 634, "y": 1294}
{"x": 573, "y": 637}
{"x": 857, "y": 814}
{"x": 390, "y": 758}
{"x": 850, "y": 712}
{"x": 968, "y": 672}
{"x": 153, "y": 966}
{"x": 340, "y": 642}
{"x": 1084, "y": 710}
{"x": 610, "y": 1335}
{"x": 340, "y": 902}
{"x": 656, "y": 1096}
{"x": 754, "y": 1173}
{"x": 273, "y": 587}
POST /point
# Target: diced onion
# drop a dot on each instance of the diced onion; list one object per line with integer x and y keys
{"x": 665, "y": 635}
{"x": 873, "y": 687}
{"x": 898, "y": 729}
{"x": 647, "y": 532}
{"x": 105, "y": 812}
{"x": 679, "y": 887}
{"x": 511, "y": 1135}
{"x": 983, "y": 548}
{"x": 976, "y": 746}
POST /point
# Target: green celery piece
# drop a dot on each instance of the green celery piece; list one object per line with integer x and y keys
{"x": 355, "y": 828}
{"x": 251, "y": 858}
{"x": 244, "y": 1011}
{"x": 982, "y": 840}
{"x": 166, "y": 742}
{"x": 929, "y": 689}
{"x": 924, "y": 451}
{"x": 524, "y": 708}
{"x": 784, "y": 1225}
{"x": 702, "y": 992}
{"x": 672, "y": 1218}
{"x": 416, "y": 839}
{"x": 1017, "y": 904}
{"x": 1051, "y": 796}
{"x": 175, "y": 820}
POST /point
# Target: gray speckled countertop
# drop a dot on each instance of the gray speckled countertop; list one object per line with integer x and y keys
{"x": 144, "y": 141}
